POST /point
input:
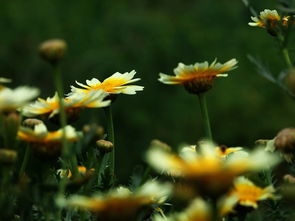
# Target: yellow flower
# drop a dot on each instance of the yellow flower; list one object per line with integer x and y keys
{"x": 249, "y": 194}
{"x": 121, "y": 204}
{"x": 45, "y": 142}
{"x": 266, "y": 19}
{"x": 245, "y": 193}
{"x": 199, "y": 77}
{"x": 12, "y": 99}
{"x": 202, "y": 168}
{"x": 116, "y": 84}
{"x": 198, "y": 210}
{"x": 72, "y": 103}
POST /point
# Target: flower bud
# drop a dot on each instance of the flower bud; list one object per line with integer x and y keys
{"x": 285, "y": 140}
{"x": 53, "y": 50}
{"x": 104, "y": 146}
{"x": 32, "y": 122}
{"x": 7, "y": 156}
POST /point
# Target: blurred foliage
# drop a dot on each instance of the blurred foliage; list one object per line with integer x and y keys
{"x": 153, "y": 36}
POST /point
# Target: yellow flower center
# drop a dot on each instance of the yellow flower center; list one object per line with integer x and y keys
{"x": 110, "y": 85}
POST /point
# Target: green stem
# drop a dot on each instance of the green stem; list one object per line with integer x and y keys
{"x": 287, "y": 58}
{"x": 205, "y": 116}
{"x": 25, "y": 160}
{"x": 110, "y": 136}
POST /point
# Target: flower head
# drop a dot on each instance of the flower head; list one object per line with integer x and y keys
{"x": 245, "y": 193}
{"x": 12, "y": 99}
{"x": 204, "y": 166}
{"x": 121, "y": 204}
{"x": 116, "y": 84}
{"x": 199, "y": 77}
{"x": 267, "y": 18}
{"x": 45, "y": 142}
{"x": 72, "y": 103}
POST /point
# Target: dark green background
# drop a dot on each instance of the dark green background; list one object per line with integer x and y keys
{"x": 152, "y": 36}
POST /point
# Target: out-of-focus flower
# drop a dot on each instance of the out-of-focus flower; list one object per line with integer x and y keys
{"x": 45, "y": 142}
{"x": 73, "y": 104}
{"x": 266, "y": 18}
{"x": 53, "y": 50}
{"x": 68, "y": 173}
{"x": 12, "y": 99}
{"x": 203, "y": 167}
{"x": 116, "y": 84}
{"x": 199, "y": 77}
{"x": 121, "y": 204}
{"x": 246, "y": 193}
{"x": 198, "y": 210}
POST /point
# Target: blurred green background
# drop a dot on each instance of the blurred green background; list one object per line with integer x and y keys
{"x": 152, "y": 36}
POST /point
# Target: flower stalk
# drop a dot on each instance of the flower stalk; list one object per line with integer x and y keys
{"x": 25, "y": 160}
{"x": 205, "y": 116}
{"x": 111, "y": 137}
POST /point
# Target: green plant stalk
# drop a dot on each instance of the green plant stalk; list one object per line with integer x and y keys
{"x": 205, "y": 116}
{"x": 66, "y": 153}
{"x": 287, "y": 58}
{"x": 111, "y": 137}
{"x": 284, "y": 40}
{"x": 25, "y": 160}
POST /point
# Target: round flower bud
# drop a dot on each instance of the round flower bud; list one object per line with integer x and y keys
{"x": 8, "y": 156}
{"x": 32, "y": 122}
{"x": 104, "y": 146}
{"x": 285, "y": 140}
{"x": 53, "y": 50}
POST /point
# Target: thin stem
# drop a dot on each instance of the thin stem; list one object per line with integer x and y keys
{"x": 25, "y": 160}
{"x": 110, "y": 136}
{"x": 205, "y": 116}
{"x": 287, "y": 58}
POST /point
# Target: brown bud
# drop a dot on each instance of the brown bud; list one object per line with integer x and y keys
{"x": 285, "y": 140}
{"x": 104, "y": 146}
{"x": 53, "y": 50}
{"x": 8, "y": 156}
{"x": 31, "y": 122}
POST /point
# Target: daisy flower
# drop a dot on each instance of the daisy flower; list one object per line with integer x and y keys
{"x": 245, "y": 193}
{"x": 45, "y": 142}
{"x": 269, "y": 19}
{"x": 121, "y": 204}
{"x": 199, "y": 77}
{"x": 73, "y": 104}
{"x": 116, "y": 84}
{"x": 12, "y": 99}
{"x": 202, "y": 167}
